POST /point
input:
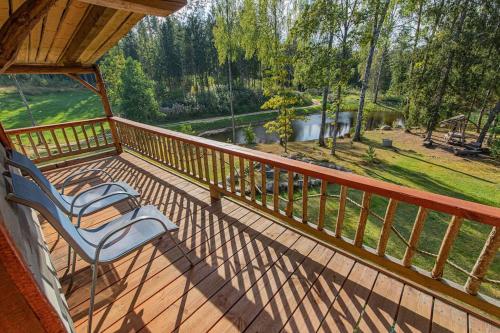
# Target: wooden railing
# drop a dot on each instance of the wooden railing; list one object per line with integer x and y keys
{"x": 286, "y": 188}
{"x": 50, "y": 142}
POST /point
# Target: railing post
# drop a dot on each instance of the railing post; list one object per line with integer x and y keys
{"x": 4, "y": 138}
{"x": 483, "y": 262}
{"x": 107, "y": 108}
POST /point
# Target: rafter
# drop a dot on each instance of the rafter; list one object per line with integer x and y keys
{"x": 17, "y": 28}
{"x": 146, "y": 7}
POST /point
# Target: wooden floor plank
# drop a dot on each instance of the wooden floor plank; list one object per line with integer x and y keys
{"x": 415, "y": 311}
{"x": 448, "y": 319}
{"x": 255, "y": 299}
{"x": 275, "y": 314}
{"x": 156, "y": 289}
{"x": 347, "y": 308}
{"x": 315, "y": 305}
{"x": 380, "y": 312}
{"x": 148, "y": 311}
{"x": 477, "y": 325}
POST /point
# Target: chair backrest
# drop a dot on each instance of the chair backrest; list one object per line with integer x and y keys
{"x": 27, "y": 193}
{"x": 27, "y": 166}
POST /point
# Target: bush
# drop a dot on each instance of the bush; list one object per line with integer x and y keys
{"x": 495, "y": 149}
{"x": 249, "y": 135}
{"x": 186, "y": 129}
{"x": 370, "y": 155}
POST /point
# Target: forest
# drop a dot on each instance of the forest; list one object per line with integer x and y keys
{"x": 437, "y": 58}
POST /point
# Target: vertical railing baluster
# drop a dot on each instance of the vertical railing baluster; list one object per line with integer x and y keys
{"x": 483, "y": 262}
{"x": 276, "y": 189}
{"x": 179, "y": 152}
{"x": 103, "y": 132}
{"x": 363, "y": 217}
{"x": 198, "y": 163}
{"x": 66, "y": 139}
{"x": 205, "y": 164}
{"x": 94, "y": 133}
{"x": 169, "y": 152}
{"x": 322, "y": 204}
{"x": 20, "y": 144}
{"x": 45, "y": 143}
{"x": 75, "y": 134}
{"x": 386, "y": 227}
{"x": 56, "y": 141}
{"x": 174, "y": 152}
{"x": 214, "y": 167}
{"x": 223, "y": 170}
{"x": 242, "y": 176}
{"x": 85, "y": 136}
{"x": 231, "y": 173}
{"x": 418, "y": 226}
{"x": 263, "y": 181}
{"x": 33, "y": 146}
{"x": 251, "y": 175}
{"x": 289, "y": 205}
{"x": 444, "y": 251}
{"x": 339, "y": 225}
{"x": 305, "y": 198}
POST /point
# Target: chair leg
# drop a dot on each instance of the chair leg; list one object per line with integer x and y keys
{"x": 92, "y": 293}
{"x": 73, "y": 269}
{"x": 69, "y": 259}
{"x": 180, "y": 248}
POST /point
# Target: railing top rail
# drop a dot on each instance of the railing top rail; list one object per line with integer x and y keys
{"x": 16, "y": 131}
{"x": 466, "y": 209}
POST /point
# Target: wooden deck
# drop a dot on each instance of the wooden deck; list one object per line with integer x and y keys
{"x": 251, "y": 274}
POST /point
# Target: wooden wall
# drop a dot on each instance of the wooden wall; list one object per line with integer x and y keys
{"x": 30, "y": 299}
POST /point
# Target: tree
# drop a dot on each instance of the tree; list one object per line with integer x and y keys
{"x": 282, "y": 126}
{"x": 379, "y": 9}
{"x": 494, "y": 112}
{"x": 137, "y": 97}
{"x": 315, "y": 31}
{"x": 226, "y": 17}
{"x": 348, "y": 16}
{"x": 112, "y": 67}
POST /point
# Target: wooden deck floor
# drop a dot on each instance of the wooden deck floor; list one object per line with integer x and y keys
{"x": 251, "y": 274}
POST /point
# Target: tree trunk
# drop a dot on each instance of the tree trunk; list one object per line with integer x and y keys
{"x": 377, "y": 25}
{"x": 483, "y": 108}
{"x": 233, "y": 125}
{"x": 491, "y": 117}
{"x": 336, "y": 124}
{"x": 412, "y": 64}
{"x": 324, "y": 102}
{"x": 379, "y": 74}
{"x": 435, "y": 107}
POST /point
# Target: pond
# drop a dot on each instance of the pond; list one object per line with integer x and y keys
{"x": 306, "y": 130}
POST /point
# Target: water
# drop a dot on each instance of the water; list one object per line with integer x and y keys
{"x": 307, "y": 130}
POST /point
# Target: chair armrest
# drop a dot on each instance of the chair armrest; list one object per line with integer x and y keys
{"x": 89, "y": 204}
{"x": 124, "y": 226}
{"x": 90, "y": 189}
{"x": 77, "y": 173}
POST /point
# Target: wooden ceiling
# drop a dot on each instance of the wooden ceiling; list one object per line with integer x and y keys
{"x": 71, "y": 32}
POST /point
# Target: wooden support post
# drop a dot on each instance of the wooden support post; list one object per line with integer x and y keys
{"x": 483, "y": 262}
{"x": 107, "y": 108}
{"x": 4, "y": 138}
{"x": 444, "y": 250}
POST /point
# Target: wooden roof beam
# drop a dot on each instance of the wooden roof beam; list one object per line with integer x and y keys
{"x": 42, "y": 69}
{"x": 17, "y": 28}
{"x": 146, "y": 7}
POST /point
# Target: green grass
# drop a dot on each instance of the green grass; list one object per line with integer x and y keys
{"x": 417, "y": 167}
{"x": 48, "y": 106}
{"x": 240, "y": 120}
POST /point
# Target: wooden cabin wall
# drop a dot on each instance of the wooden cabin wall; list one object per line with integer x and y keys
{"x": 27, "y": 272}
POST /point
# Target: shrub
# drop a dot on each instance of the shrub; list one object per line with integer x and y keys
{"x": 249, "y": 135}
{"x": 370, "y": 155}
{"x": 187, "y": 129}
{"x": 495, "y": 149}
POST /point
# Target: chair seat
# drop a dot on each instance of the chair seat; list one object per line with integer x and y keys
{"x": 129, "y": 238}
{"x": 97, "y": 193}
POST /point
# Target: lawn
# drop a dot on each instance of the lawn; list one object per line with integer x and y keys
{"x": 412, "y": 165}
{"x": 49, "y": 106}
